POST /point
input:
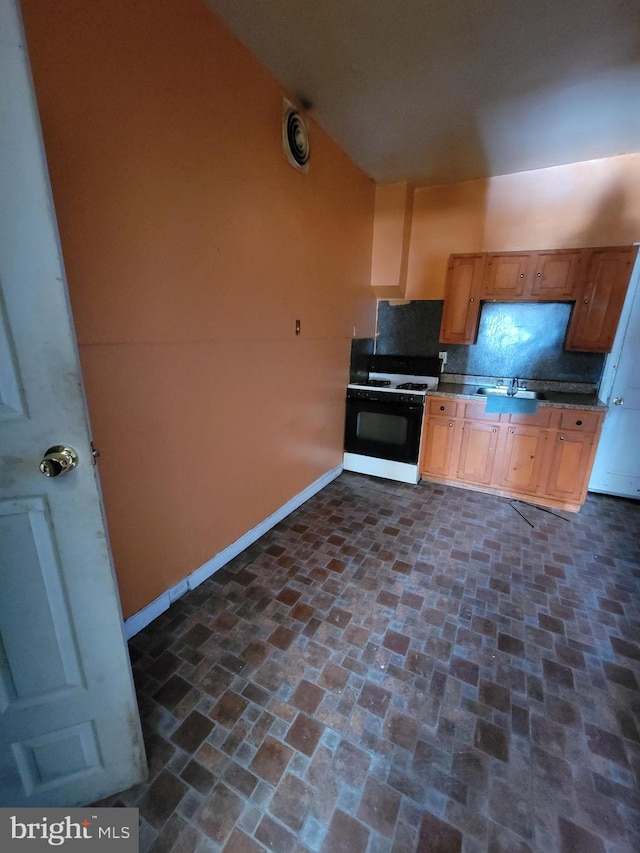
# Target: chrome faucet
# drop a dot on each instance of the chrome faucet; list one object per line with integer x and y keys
{"x": 512, "y": 390}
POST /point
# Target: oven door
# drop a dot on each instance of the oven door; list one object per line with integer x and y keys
{"x": 383, "y": 430}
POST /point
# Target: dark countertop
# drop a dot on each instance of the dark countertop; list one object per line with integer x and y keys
{"x": 554, "y": 399}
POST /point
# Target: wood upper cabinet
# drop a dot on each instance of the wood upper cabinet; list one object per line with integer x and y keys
{"x": 505, "y": 275}
{"x": 556, "y": 274}
{"x": 595, "y": 279}
{"x": 462, "y": 299}
{"x": 538, "y": 276}
{"x": 600, "y": 298}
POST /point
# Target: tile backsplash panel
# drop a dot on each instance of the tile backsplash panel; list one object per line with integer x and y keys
{"x": 514, "y": 339}
{"x": 361, "y": 351}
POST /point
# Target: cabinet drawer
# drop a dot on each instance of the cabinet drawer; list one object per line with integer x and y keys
{"x": 443, "y": 407}
{"x": 473, "y": 410}
{"x": 542, "y": 418}
{"x": 580, "y": 421}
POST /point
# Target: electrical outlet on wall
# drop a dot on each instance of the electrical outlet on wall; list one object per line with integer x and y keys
{"x": 443, "y": 357}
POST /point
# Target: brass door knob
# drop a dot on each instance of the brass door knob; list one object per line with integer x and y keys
{"x": 58, "y": 460}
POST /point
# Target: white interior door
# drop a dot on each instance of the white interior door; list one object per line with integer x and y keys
{"x": 69, "y": 725}
{"x": 616, "y": 469}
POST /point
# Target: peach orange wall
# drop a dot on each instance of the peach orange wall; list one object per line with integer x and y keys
{"x": 595, "y": 203}
{"x": 391, "y": 239}
{"x": 191, "y": 247}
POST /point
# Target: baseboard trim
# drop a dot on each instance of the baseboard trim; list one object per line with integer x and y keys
{"x": 134, "y": 624}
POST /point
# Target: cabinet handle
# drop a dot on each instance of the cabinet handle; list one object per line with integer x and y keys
{"x": 442, "y": 408}
{"x": 586, "y": 301}
{"x": 538, "y": 274}
{"x": 451, "y": 424}
{"x": 578, "y": 423}
{"x": 494, "y": 430}
{"x": 521, "y": 275}
{"x": 472, "y": 299}
{"x": 511, "y": 432}
{"x": 561, "y": 437}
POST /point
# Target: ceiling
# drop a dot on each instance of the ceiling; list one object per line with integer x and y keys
{"x": 436, "y": 91}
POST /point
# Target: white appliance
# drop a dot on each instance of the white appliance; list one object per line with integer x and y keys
{"x": 384, "y": 415}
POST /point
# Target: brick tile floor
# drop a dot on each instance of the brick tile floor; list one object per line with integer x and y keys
{"x": 396, "y": 669}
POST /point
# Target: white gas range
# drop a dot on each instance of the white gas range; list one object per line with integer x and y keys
{"x": 384, "y": 416}
{"x": 398, "y": 383}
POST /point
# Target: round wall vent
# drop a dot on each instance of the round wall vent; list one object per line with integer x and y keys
{"x": 295, "y": 138}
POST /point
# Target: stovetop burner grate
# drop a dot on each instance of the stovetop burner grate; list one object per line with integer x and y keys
{"x": 413, "y": 386}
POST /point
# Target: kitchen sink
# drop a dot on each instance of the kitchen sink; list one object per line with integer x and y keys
{"x": 501, "y": 391}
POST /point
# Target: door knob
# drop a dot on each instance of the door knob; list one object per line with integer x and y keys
{"x": 618, "y": 401}
{"x": 58, "y": 460}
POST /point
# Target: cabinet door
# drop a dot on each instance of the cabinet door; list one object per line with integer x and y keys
{"x": 477, "y": 452}
{"x": 462, "y": 299}
{"x": 556, "y": 274}
{"x": 438, "y": 445}
{"x": 520, "y": 458}
{"x": 506, "y": 275}
{"x": 600, "y": 298}
{"x": 569, "y": 461}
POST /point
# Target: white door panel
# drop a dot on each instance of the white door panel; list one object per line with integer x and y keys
{"x": 69, "y": 725}
{"x": 616, "y": 468}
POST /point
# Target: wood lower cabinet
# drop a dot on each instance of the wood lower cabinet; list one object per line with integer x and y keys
{"x": 545, "y": 458}
{"x": 439, "y": 444}
{"x": 441, "y": 436}
{"x": 570, "y": 452}
{"x": 520, "y": 458}
{"x": 478, "y": 448}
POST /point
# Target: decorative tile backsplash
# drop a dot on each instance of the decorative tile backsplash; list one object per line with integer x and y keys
{"x": 514, "y": 339}
{"x": 361, "y": 352}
